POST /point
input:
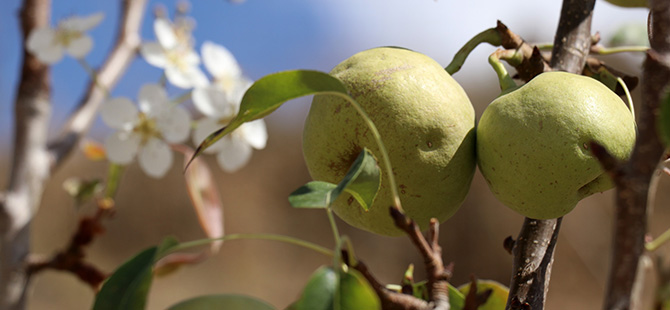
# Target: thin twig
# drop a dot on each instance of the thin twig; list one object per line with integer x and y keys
{"x": 125, "y": 49}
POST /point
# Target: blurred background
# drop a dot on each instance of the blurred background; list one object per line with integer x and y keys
{"x": 269, "y": 36}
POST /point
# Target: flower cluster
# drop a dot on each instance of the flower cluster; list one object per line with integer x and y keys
{"x": 147, "y": 130}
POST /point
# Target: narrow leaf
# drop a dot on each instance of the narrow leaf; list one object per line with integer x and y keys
{"x": 362, "y": 181}
{"x": 223, "y": 301}
{"x": 315, "y": 194}
{"x": 128, "y": 287}
{"x": 270, "y": 92}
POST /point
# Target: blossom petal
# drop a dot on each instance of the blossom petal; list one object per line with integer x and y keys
{"x": 213, "y": 102}
{"x": 237, "y": 93}
{"x": 153, "y": 100}
{"x": 82, "y": 23}
{"x": 50, "y": 54}
{"x": 119, "y": 113}
{"x": 255, "y": 133}
{"x": 175, "y": 125}
{"x": 234, "y": 155}
{"x": 155, "y": 158}
{"x": 204, "y": 128}
{"x": 80, "y": 47}
{"x": 121, "y": 147}
{"x": 186, "y": 78}
{"x": 40, "y": 38}
{"x": 154, "y": 54}
{"x": 219, "y": 61}
{"x": 165, "y": 33}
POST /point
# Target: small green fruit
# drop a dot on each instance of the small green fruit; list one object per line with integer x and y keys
{"x": 533, "y": 142}
{"x": 498, "y": 298}
{"x": 425, "y": 120}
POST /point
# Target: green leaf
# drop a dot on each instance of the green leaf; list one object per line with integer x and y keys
{"x": 355, "y": 292}
{"x": 222, "y": 301}
{"x": 330, "y": 290}
{"x": 128, "y": 287}
{"x": 362, "y": 182}
{"x": 315, "y": 194}
{"x": 270, "y": 92}
{"x": 319, "y": 292}
{"x": 456, "y": 298}
{"x": 664, "y": 120}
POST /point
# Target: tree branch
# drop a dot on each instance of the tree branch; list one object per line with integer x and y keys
{"x": 534, "y": 248}
{"x": 633, "y": 177}
{"x": 33, "y": 160}
{"x": 32, "y": 111}
{"x": 125, "y": 49}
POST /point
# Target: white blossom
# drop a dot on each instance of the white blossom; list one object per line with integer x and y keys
{"x": 173, "y": 51}
{"x": 50, "y": 44}
{"x": 220, "y": 102}
{"x": 145, "y": 132}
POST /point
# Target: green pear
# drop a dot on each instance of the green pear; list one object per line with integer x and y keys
{"x": 426, "y": 122}
{"x": 533, "y": 142}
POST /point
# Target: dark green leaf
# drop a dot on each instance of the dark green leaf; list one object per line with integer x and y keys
{"x": 222, "y": 301}
{"x": 362, "y": 182}
{"x": 270, "y": 92}
{"x": 315, "y": 194}
{"x": 319, "y": 292}
{"x": 128, "y": 287}
{"x": 351, "y": 289}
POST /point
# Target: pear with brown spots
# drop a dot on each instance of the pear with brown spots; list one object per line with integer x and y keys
{"x": 426, "y": 122}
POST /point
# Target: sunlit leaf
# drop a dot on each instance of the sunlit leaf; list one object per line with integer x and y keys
{"x": 362, "y": 182}
{"x": 222, "y": 301}
{"x": 496, "y": 301}
{"x": 456, "y": 298}
{"x": 270, "y": 92}
{"x": 128, "y": 286}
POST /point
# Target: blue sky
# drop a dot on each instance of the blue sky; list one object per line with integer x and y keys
{"x": 268, "y": 36}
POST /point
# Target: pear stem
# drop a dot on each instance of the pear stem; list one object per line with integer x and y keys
{"x": 386, "y": 162}
{"x": 601, "y": 50}
{"x": 505, "y": 80}
{"x": 271, "y": 237}
{"x": 491, "y": 36}
{"x": 629, "y": 98}
{"x": 658, "y": 242}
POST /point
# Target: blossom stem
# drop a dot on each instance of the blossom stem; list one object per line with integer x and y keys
{"x": 271, "y": 237}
